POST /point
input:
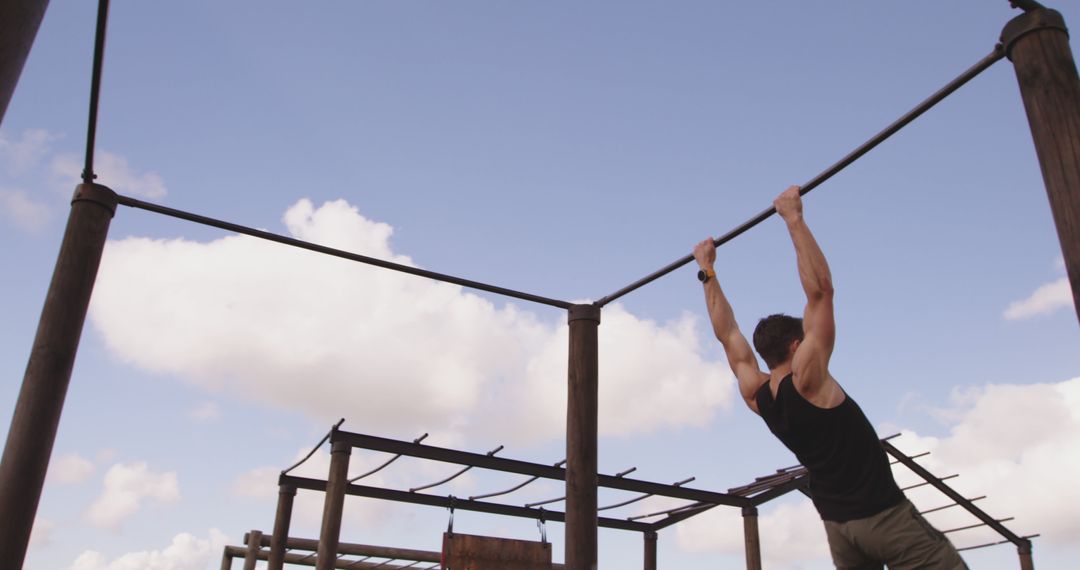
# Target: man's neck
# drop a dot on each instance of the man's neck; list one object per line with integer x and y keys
{"x": 777, "y": 374}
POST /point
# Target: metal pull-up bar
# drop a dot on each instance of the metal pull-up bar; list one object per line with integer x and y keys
{"x": 937, "y": 97}
{"x": 229, "y": 226}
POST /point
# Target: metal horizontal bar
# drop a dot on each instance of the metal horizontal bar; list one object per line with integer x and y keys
{"x": 854, "y": 155}
{"x": 525, "y": 468}
{"x": 463, "y": 504}
{"x": 353, "y": 549}
{"x": 228, "y": 226}
{"x": 952, "y": 494}
{"x": 309, "y": 560}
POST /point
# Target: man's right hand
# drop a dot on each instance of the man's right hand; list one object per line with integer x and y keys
{"x": 705, "y": 254}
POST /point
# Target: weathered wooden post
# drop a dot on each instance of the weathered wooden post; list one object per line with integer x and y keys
{"x": 254, "y": 545}
{"x": 753, "y": 540}
{"x": 334, "y": 505}
{"x": 41, "y": 399}
{"x": 650, "y": 550}
{"x": 19, "y": 23}
{"x": 282, "y": 520}
{"x": 1037, "y": 43}
{"x": 581, "y": 434}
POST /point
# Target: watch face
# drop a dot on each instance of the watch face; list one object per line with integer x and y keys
{"x": 702, "y": 276}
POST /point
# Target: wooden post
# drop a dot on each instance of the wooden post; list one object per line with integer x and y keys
{"x": 1038, "y": 45}
{"x": 1025, "y": 556}
{"x": 753, "y": 541}
{"x": 254, "y": 545}
{"x": 19, "y": 23}
{"x": 226, "y": 559}
{"x": 581, "y": 434}
{"x": 286, "y": 494}
{"x": 334, "y": 506}
{"x": 41, "y": 399}
{"x": 650, "y": 549}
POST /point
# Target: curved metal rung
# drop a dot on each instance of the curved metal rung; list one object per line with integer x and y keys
{"x": 383, "y": 466}
{"x": 690, "y": 507}
{"x": 924, "y": 483}
{"x": 1006, "y": 519}
{"x": 923, "y": 454}
{"x": 514, "y": 488}
{"x": 1028, "y": 537}
{"x": 316, "y": 448}
{"x": 455, "y": 475}
{"x": 645, "y": 496}
{"x": 531, "y": 505}
{"x": 941, "y": 508}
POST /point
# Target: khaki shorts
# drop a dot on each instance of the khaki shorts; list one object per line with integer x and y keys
{"x": 898, "y": 537}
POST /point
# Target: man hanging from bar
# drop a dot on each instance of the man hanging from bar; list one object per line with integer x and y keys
{"x": 868, "y": 521}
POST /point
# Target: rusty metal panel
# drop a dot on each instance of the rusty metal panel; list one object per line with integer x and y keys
{"x": 471, "y": 552}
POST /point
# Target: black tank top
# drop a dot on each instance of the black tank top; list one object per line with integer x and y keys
{"x": 850, "y": 477}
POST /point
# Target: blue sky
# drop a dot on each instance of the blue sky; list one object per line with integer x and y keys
{"x": 556, "y": 148}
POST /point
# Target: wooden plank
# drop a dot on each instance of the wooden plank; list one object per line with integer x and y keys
{"x": 472, "y": 552}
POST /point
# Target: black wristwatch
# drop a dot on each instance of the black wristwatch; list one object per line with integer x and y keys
{"x": 704, "y": 275}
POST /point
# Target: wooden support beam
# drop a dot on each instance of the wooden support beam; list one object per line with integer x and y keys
{"x": 19, "y": 23}
{"x": 282, "y": 521}
{"x": 48, "y": 373}
{"x": 753, "y": 539}
{"x": 581, "y": 438}
{"x": 334, "y": 505}
{"x": 1037, "y": 43}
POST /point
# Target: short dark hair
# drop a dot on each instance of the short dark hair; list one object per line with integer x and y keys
{"x": 773, "y": 337}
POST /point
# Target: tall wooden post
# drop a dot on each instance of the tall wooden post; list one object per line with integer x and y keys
{"x": 581, "y": 434}
{"x": 19, "y": 23}
{"x": 282, "y": 520}
{"x": 753, "y": 540}
{"x": 41, "y": 399}
{"x": 1038, "y": 45}
{"x": 334, "y": 506}
{"x": 650, "y": 549}
{"x": 254, "y": 545}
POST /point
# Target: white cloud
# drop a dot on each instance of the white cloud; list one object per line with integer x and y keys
{"x": 127, "y": 485}
{"x": 41, "y": 533}
{"x": 70, "y": 468}
{"x": 23, "y": 212}
{"x": 205, "y": 412}
{"x": 260, "y": 483}
{"x": 1045, "y": 300}
{"x": 113, "y": 171}
{"x": 1020, "y": 446}
{"x": 19, "y": 156}
{"x": 185, "y": 552}
{"x": 338, "y": 339}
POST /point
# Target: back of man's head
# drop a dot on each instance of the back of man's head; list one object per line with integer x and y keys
{"x": 773, "y": 337}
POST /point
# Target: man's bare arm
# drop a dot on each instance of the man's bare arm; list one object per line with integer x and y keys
{"x": 810, "y": 365}
{"x": 739, "y": 354}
